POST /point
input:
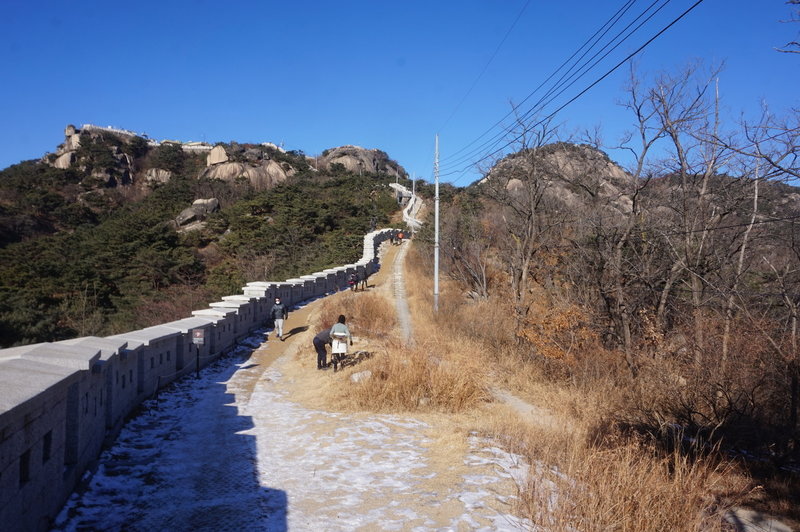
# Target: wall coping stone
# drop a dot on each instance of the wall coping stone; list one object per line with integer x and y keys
{"x": 108, "y": 346}
{"x": 186, "y": 324}
{"x": 70, "y": 356}
{"x": 149, "y": 335}
{"x": 23, "y": 380}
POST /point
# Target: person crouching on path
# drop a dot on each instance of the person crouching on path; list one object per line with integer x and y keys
{"x": 278, "y": 313}
{"x": 322, "y": 338}
{"x": 340, "y": 335}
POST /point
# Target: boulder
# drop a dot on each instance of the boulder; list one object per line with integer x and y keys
{"x": 357, "y": 159}
{"x": 217, "y": 155}
{"x": 198, "y": 211}
{"x": 361, "y": 376}
{"x": 514, "y": 185}
{"x": 72, "y": 142}
{"x": 268, "y": 174}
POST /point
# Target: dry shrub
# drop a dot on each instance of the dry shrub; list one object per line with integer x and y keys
{"x": 558, "y": 331}
{"x": 629, "y": 488}
{"x": 740, "y": 403}
{"x": 368, "y": 315}
{"x": 626, "y": 484}
{"x": 414, "y": 378}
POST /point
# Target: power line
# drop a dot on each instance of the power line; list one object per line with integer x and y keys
{"x": 613, "y": 18}
{"x": 601, "y": 78}
{"x": 582, "y": 70}
{"x": 540, "y": 103}
{"x": 590, "y": 86}
{"x": 486, "y": 66}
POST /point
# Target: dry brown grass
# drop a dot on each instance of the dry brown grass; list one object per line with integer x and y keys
{"x": 627, "y": 488}
{"x": 368, "y": 314}
{"x": 418, "y": 378}
{"x": 573, "y": 485}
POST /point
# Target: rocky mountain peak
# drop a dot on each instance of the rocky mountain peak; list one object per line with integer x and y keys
{"x": 357, "y": 159}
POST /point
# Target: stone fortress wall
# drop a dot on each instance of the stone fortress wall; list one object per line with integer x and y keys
{"x": 185, "y": 146}
{"x": 61, "y": 401}
{"x": 412, "y": 206}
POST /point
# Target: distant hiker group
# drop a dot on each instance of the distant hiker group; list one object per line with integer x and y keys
{"x": 338, "y": 336}
{"x": 357, "y": 281}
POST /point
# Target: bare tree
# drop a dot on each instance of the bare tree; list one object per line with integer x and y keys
{"x": 614, "y": 216}
{"x": 702, "y": 198}
{"x": 792, "y": 47}
{"x": 255, "y": 266}
{"x": 775, "y": 141}
{"x": 466, "y": 245}
{"x": 517, "y": 185}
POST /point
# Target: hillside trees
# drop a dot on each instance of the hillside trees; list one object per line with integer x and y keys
{"x": 525, "y": 215}
{"x": 466, "y": 244}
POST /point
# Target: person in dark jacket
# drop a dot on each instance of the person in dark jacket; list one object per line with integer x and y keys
{"x": 278, "y": 313}
{"x": 322, "y": 338}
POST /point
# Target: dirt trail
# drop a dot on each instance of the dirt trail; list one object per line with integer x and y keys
{"x": 251, "y": 445}
{"x": 399, "y": 293}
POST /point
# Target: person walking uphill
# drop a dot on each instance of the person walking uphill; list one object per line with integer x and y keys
{"x": 278, "y": 313}
{"x": 322, "y": 338}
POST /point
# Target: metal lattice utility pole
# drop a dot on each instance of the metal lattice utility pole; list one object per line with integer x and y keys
{"x": 436, "y": 228}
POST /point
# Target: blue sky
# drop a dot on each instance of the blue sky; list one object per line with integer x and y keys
{"x": 390, "y": 75}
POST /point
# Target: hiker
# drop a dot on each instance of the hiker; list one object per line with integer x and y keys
{"x": 340, "y": 335}
{"x": 278, "y": 313}
{"x": 322, "y": 338}
{"x": 362, "y": 280}
{"x": 352, "y": 281}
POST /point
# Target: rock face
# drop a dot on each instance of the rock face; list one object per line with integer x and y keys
{"x": 573, "y": 172}
{"x": 262, "y": 176}
{"x": 217, "y": 155}
{"x": 357, "y": 159}
{"x": 199, "y": 210}
{"x": 65, "y": 155}
{"x": 64, "y": 160}
{"x": 157, "y": 175}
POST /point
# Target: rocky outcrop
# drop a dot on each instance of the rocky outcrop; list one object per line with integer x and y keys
{"x": 65, "y": 154}
{"x": 64, "y": 160}
{"x": 157, "y": 175}
{"x": 361, "y": 160}
{"x": 217, "y": 155}
{"x": 573, "y": 173}
{"x": 199, "y": 210}
{"x": 72, "y": 139}
{"x": 265, "y": 175}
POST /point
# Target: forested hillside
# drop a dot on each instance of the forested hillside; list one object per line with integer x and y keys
{"x": 100, "y": 247}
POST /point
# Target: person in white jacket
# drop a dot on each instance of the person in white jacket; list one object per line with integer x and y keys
{"x": 340, "y": 336}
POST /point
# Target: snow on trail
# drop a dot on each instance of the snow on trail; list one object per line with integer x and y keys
{"x": 231, "y": 451}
